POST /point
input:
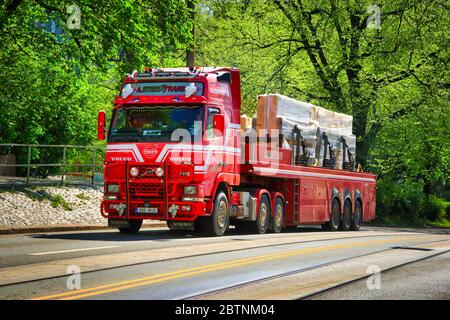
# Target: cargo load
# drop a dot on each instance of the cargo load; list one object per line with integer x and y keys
{"x": 318, "y": 127}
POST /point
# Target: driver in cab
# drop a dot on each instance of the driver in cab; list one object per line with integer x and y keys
{"x": 137, "y": 121}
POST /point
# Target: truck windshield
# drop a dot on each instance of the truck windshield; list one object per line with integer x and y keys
{"x": 155, "y": 123}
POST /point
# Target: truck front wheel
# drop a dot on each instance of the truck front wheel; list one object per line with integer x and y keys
{"x": 134, "y": 227}
{"x": 217, "y": 223}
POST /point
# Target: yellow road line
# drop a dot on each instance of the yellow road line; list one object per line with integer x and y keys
{"x": 123, "y": 285}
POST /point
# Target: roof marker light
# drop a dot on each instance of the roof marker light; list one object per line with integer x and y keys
{"x": 190, "y": 90}
{"x": 127, "y": 90}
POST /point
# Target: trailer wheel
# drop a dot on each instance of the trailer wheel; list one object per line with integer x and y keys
{"x": 217, "y": 223}
{"x": 335, "y": 217}
{"x": 346, "y": 217}
{"x": 357, "y": 217}
{"x": 262, "y": 222}
{"x": 135, "y": 226}
{"x": 278, "y": 216}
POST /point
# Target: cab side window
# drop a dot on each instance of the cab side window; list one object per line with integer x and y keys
{"x": 210, "y": 122}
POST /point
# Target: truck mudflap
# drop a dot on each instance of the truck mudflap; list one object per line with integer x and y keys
{"x": 181, "y": 225}
{"x": 119, "y": 223}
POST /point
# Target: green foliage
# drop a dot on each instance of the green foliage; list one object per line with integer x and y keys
{"x": 393, "y": 80}
{"x": 59, "y": 201}
{"x": 404, "y": 203}
{"x": 83, "y": 196}
{"x": 402, "y": 199}
{"x": 56, "y": 78}
{"x": 438, "y": 209}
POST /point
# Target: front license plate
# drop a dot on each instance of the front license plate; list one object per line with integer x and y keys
{"x": 146, "y": 210}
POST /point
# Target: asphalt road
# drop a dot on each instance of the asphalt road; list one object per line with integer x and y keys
{"x": 158, "y": 264}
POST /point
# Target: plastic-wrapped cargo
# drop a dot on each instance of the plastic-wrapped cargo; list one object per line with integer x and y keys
{"x": 246, "y": 122}
{"x": 280, "y": 112}
{"x": 335, "y": 139}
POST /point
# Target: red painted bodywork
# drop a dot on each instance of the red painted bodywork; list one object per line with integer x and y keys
{"x": 216, "y": 162}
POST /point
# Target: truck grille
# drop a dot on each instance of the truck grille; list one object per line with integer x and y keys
{"x": 147, "y": 171}
{"x": 149, "y": 190}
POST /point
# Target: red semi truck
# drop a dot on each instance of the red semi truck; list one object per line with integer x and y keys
{"x": 176, "y": 152}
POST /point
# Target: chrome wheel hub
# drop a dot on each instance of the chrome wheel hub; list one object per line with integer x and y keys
{"x": 263, "y": 215}
{"x": 278, "y": 215}
{"x": 222, "y": 214}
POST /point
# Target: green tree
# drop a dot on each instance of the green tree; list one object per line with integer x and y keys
{"x": 322, "y": 51}
{"x": 60, "y": 64}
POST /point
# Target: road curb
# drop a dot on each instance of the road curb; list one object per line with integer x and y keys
{"x": 64, "y": 228}
{"x": 404, "y": 227}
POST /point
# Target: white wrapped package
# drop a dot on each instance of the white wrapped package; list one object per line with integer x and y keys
{"x": 280, "y": 112}
{"x": 335, "y": 139}
{"x": 339, "y": 122}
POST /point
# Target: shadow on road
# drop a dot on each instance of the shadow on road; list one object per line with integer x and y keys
{"x": 148, "y": 234}
{"x": 143, "y": 235}
{"x": 163, "y": 235}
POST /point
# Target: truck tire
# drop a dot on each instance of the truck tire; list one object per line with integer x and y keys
{"x": 357, "y": 217}
{"x": 335, "y": 217}
{"x": 262, "y": 221}
{"x": 135, "y": 226}
{"x": 278, "y": 216}
{"x": 346, "y": 217}
{"x": 217, "y": 223}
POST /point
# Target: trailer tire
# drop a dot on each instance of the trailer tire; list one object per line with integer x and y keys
{"x": 357, "y": 217}
{"x": 346, "y": 220}
{"x": 216, "y": 224}
{"x": 335, "y": 217}
{"x": 262, "y": 221}
{"x": 278, "y": 215}
{"x": 135, "y": 226}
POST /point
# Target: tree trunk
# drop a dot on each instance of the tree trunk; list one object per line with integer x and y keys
{"x": 362, "y": 150}
{"x": 190, "y": 53}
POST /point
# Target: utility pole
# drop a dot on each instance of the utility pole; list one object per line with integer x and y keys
{"x": 190, "y": 53}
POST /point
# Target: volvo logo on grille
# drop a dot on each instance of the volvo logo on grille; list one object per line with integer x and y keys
{"x": 150, "y": 151}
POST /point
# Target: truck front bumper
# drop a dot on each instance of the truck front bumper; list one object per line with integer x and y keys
{"x": 153, "y": 210}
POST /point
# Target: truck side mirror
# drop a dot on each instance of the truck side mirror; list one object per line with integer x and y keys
{"x": 101, "y": 125}
{"x": 219, "y": 123}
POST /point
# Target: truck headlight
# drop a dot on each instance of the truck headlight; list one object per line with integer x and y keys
{"x": 112, "y": 188}
{"x": 190, "y": 190}
{"x": 159, "y": 172}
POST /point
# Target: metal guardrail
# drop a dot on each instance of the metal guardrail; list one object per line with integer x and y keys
{"x": 29, "y": 165}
